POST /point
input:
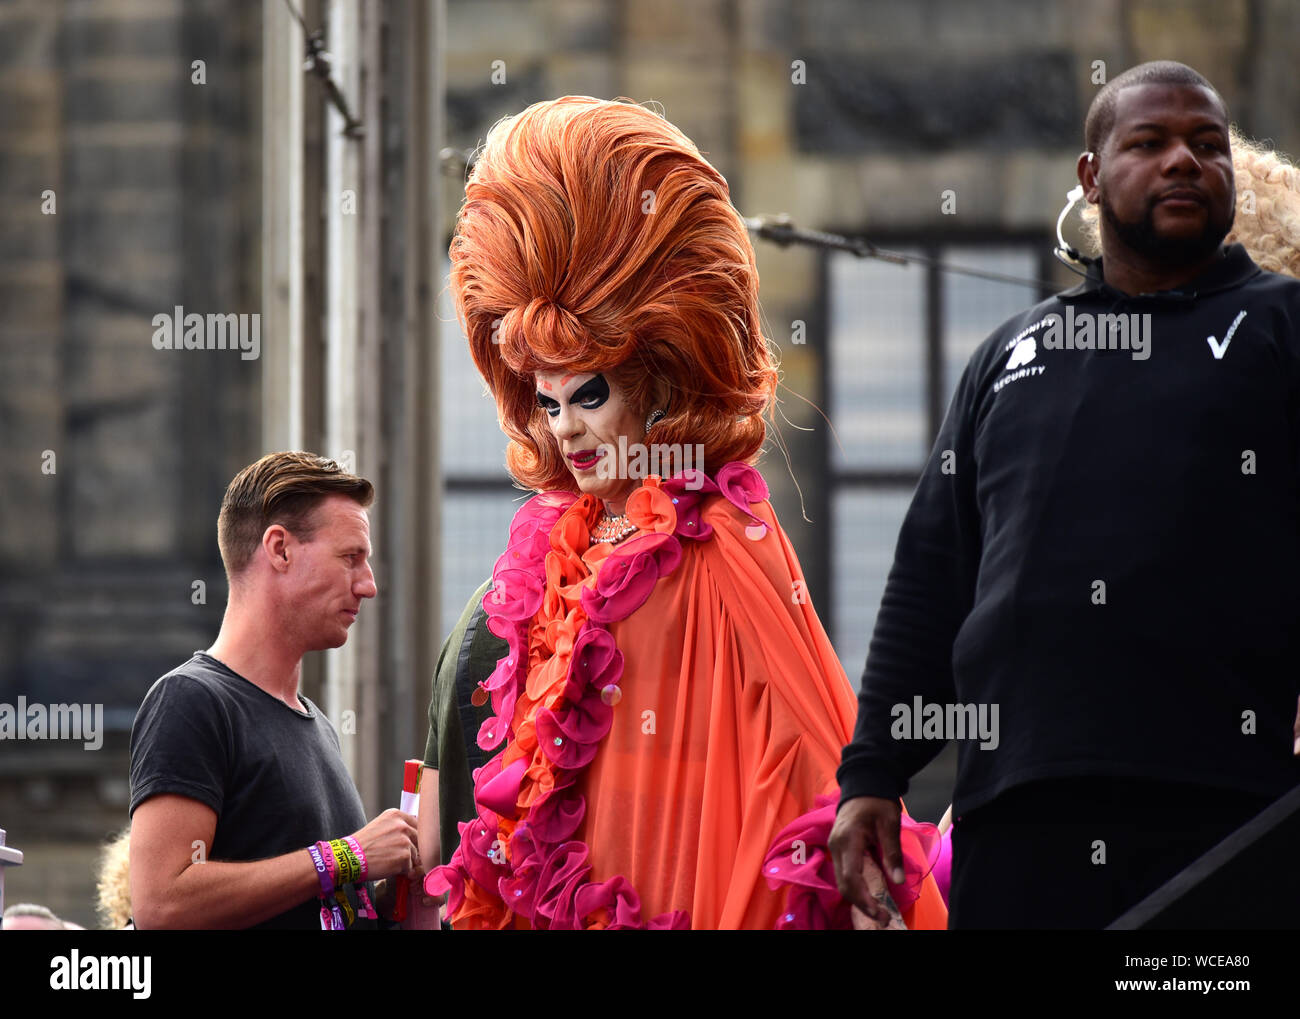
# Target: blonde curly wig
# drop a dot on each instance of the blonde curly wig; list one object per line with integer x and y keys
{"x": 113, "y": 888}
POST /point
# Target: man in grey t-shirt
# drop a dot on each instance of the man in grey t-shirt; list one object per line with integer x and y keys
{"x": 234, "y": 774}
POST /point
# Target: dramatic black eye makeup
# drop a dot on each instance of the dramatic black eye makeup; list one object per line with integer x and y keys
{"x": 590, "y": 395}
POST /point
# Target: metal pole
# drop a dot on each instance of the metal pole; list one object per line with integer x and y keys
{"x": 9, "y": 857}
{"x": 422, "y": 342}
{"x": 373, "y": 678}
{"x": 282, "y": 228}
{"x": 344, "y": 206}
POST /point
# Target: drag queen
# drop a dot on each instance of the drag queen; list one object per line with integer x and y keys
{"x": 669, "y": 706}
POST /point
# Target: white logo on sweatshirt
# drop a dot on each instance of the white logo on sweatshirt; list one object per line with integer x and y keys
{"x": 1219, "y": 350}
{"x": 1025, "y": 351}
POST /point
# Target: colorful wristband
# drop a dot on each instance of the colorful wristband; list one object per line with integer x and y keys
{"x": 342, "y": 898}
{"x": 340, "y": 852}
{"x": 353, "y": 861}
{"x": 367, "y": 907}
{"x": 322, "y": 872}
{"x": 341, "y": 862}
{"x": 327, "y": 855}
{"x": 355, "y": 846}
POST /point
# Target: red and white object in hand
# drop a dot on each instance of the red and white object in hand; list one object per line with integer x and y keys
{"x": 409, "y": 910}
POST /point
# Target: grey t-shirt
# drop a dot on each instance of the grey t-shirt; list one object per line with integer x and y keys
{"x": 274, "y": 776}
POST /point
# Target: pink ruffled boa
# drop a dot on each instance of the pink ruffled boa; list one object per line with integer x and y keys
{"x": 800, "y": 858}
{"x": 542, "y": 875}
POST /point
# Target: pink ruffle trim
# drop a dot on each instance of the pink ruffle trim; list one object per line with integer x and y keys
{"x": 800, "y": 857}
{"x": 544, "y": 876}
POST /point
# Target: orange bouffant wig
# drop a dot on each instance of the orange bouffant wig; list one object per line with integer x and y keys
{"x": 594, "y": 237}
{"x": 1267, "y": 224}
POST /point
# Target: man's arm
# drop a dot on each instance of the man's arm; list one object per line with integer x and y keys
{"x": 430, "y": 836}
{"x": 169, "y": 889}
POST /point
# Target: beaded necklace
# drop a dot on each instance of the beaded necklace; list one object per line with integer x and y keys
{"x": 612, "y": 529}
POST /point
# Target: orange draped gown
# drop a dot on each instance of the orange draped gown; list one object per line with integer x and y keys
{"x": 727, "y": 721}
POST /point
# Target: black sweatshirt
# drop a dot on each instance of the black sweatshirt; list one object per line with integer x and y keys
{"x": 1105, "y": 548}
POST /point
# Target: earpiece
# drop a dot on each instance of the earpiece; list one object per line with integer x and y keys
{"x": 1064, "y": 251}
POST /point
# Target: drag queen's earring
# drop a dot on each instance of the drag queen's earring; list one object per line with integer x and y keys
{"x": 655, "y": 415}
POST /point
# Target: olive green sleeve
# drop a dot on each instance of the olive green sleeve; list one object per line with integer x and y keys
{"x": 442, "y": 704}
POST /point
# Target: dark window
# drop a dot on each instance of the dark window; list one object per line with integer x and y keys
{"x": 897, "y": 339}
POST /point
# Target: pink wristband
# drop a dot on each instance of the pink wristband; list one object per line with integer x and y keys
{"x": 332, "y": 862}
{"x": 367, "y": 907}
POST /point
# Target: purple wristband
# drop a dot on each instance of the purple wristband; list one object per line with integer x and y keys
{"x": 322, "y": 872}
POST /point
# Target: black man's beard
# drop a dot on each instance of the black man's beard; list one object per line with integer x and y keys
{"x": 1141, "y": 237}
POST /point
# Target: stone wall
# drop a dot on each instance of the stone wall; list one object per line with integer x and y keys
{"x": 129, "y": 178}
